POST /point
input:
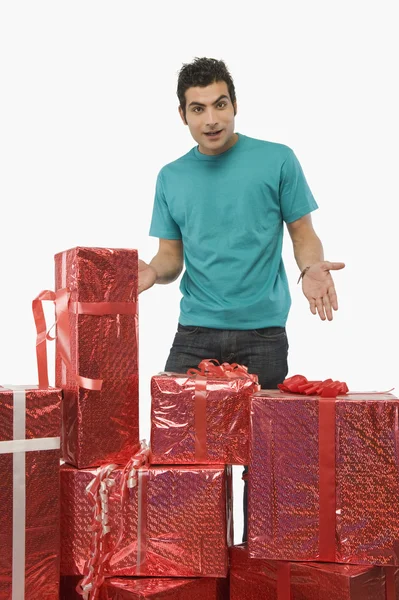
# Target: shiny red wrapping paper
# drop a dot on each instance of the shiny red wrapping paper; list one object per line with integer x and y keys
{"x": 252, "y": 579}
{"x": 68, "y": 588}
{"x": 168, "y": 588}
{"x": 29, "y": 478}
{"x": 187, "y": 428}
{"x": 153, "y": 588}
{"x": 324, "y": 478}
{"x": 99, "y": 426}
{"x": 184, "y": 529}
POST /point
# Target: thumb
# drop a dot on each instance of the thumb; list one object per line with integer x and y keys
{"x": 334, "y": 266}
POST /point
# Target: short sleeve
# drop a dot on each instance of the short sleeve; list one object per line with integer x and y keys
{"x": 162, "y": 223}
{"x": 296, "y": 199}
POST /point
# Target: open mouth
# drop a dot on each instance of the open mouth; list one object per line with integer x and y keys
{"x": 212, "y": 134}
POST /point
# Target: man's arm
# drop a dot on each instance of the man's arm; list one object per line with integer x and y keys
{"x": 308, "y": 248}
{"x": 317, "y": 283}
{"x": 165, "y": 267}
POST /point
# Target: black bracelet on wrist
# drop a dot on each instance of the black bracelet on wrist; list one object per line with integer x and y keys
{"x": 303, "y": 273}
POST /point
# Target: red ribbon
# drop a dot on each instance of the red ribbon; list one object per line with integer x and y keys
{"x": 212, "y": 368}
{"x": 283, "y": 581}
{"x": 63, "y": 306}
{"x": 201, "y": 453}
{"x": 142, "y": 536}
{"x": 390, "y": 587}
{"x": 327, "y": 493}
{"x": 298, "y": 384}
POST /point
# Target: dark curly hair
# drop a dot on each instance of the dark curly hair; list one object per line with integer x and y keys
{"x": 200, "y": 73}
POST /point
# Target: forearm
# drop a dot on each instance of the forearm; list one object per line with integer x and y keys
{"x": 167, "y": 267}
{"x": 308, "y": 251}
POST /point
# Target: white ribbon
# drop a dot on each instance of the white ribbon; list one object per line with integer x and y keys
{"x": 18, "y": 446}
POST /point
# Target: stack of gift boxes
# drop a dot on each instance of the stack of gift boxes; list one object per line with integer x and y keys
{"x": 139, "y": 522}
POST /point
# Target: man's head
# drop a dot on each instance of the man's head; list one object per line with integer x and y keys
{"x": 208, "y": 104}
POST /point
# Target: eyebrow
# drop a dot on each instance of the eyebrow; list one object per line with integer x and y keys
{"x": 216, "y": 101}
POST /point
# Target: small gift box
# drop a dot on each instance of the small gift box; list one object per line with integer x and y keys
{"x": 202, "y": 417}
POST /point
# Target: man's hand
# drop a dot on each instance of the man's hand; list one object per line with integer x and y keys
{"x": 147, "y": 276}
{"x": 318, "y": 287}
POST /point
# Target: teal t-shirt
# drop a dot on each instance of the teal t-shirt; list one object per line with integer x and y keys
{"x": 229, "y": 211}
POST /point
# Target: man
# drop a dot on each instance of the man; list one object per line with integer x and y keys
{"x": 220, "y": 209}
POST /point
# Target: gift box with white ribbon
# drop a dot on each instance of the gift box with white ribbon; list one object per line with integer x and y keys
{"x": 30, "y": 423}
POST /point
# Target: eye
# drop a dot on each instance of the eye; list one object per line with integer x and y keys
{"x": 222, "y": 104}
{"x": 196, "y": 108}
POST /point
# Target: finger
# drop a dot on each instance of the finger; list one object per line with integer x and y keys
{"x": 327, "y": 307}
{"x": 335, "y": 266}
{"x": 320, "y": 308}
{"x": 333, "y": 297}
{"x": 312, "y": 305}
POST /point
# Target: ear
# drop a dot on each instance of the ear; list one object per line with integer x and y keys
{"x": 235, "y": 107}
{"x": 181, "y": 113}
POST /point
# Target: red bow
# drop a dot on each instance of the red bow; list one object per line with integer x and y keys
{"x": 298, "y": 384}
{"x": 212, "y": 368}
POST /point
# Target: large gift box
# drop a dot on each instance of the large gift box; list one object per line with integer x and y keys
{"x": 252, "y": 579}
{"x": 202, "y": 417}
{"x": 324, "y": 478}
{"x": 158, "y": 521}
{"x": 97, "y": 293}
{"x": 30, "y": 424}
{"x": 165, "y": 588}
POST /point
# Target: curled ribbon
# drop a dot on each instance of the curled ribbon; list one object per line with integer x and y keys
{"x": 63, "y": 306}
{"x": 98, "y": 492}
{"x": 212, "y": 368}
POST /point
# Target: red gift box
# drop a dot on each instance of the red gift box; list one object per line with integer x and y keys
{"x": 203, "y": 417}
{"x": 171, "y": 521}
{"x": 30, "y": 424}
{"x": 324, "y": 478}
{"x": 252, "y": 579}
{"x": 168, "y": 588}
{"x": 101, "y": 381}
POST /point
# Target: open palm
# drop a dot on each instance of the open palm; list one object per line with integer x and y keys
{"x": 319, "y": 289}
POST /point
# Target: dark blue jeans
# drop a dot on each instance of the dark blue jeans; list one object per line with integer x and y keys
{"x": 263, "y": 351}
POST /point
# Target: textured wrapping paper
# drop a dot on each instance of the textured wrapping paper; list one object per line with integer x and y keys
{"x": 165, "y": 588}
{"x": 152, "y": 588}
{"x": 324, "y": 478}
{"x": 68, "y": 588}
{"x": 252, "y": 579}
{"x": 176, "y": 522}
{"x": 102, "y": 307}
{"x": 30, "y": 424}
{"x": 198, "y": 420}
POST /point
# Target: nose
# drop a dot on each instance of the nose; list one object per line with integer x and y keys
{"x": 211, "y": 118}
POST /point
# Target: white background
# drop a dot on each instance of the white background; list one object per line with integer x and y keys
{"x": 89, "y": 116}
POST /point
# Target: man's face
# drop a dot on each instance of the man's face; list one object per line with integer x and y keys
{"x": 209, "y": 109}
